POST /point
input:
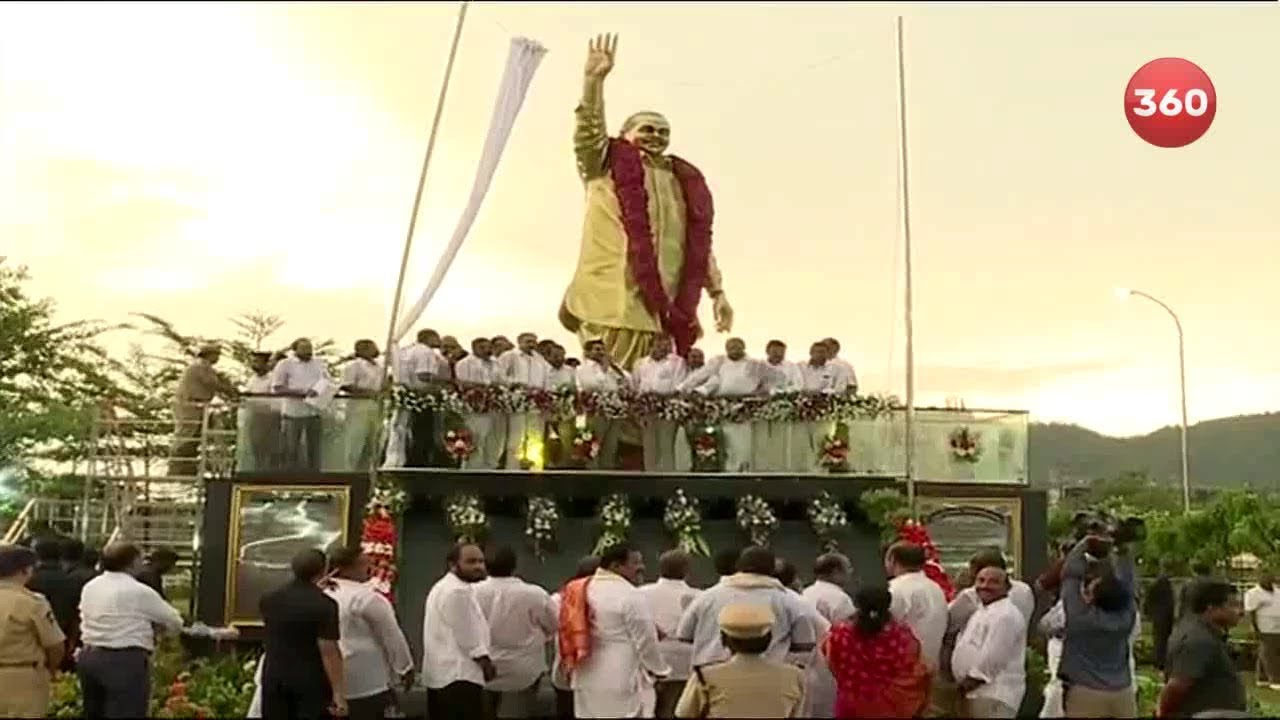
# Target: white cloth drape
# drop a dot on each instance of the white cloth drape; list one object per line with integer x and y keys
{"x": 522, "y": 63}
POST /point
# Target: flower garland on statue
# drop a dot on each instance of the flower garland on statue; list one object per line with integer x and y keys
{"x": 379, "y": 537}
{"x": 965, "y": 445}
{"x": 756, "y": 518}
{"x": 683, "y": 519}
{"x": 615, "y": 521}
{"x": 913, "y": 532}
{"x": 466, "y": 518}
{"x": 828, "y": 520}
{"x": 835, "y": 454}
{"x": 542, "y": 518}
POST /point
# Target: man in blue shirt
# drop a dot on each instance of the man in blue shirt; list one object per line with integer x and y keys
{"x": 1098, "y": 600}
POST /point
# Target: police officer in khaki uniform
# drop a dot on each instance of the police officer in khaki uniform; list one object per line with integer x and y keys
{"x": 747, "y": 685}
{"x": 31, "y": 643}
{"x": 199, "y": 384}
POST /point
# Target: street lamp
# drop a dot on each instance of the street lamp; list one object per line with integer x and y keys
{"x": 1125, "y": 293}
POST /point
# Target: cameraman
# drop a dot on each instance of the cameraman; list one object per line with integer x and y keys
{"x": 1098, "y": 580}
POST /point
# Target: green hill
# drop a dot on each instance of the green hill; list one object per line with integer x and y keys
{"x": 1229, "y": 452}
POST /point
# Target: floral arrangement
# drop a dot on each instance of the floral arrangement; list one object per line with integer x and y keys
{"x": 615, "y": 521}
{"x": 835, "y": 454}
{"x": 964, "y": 445}
{"x": 756, "y": 518}
{"x": 466, "y": 517}
{"x": 887, "y": 509}
{"x": 913, "y": 532}
{"x": 459, "y": 444}
{"x": 828, "y": 520}
{"x": 706, "y": 450}
{"x": 379, "y": 536}
{"x": 586, "y": 446}
{"x": 540, "y": 523}
{"x": 683, "y": 519}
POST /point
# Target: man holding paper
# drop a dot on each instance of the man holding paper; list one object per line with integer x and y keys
{"x": 304, "y": 382}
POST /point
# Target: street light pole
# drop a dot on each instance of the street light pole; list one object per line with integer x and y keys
{"x": 1182, "y": 386}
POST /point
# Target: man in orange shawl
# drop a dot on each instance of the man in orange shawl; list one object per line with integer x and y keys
{"x": 575, "y": 625}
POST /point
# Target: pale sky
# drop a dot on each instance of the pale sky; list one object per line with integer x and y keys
{"x": 202, "y": 160}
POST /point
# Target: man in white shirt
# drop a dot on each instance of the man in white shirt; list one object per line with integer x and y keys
{"x": 562, "y": 374}
{"x": 397, "y": 450}
{"x": 300, "y": 377}
{"x": 562, "y": 378}
{"x": 375, "y": 654}
{"x": 659, "y": 374}
{"x": 831, "y": 573}
{"x": 1262, "y": 606}
{"x": 616, "y": 680}
{"x": 260, "y": 418}
{"x": 479, "y": 370}
{"x": 600, "y": 374}
{"x": 844, "y": 370}
{"x": 819, "y": 376}
{"x": 362, "y": 382}
{"x": 694, "y": 360}
{"x": 456, "y": 661}
{"x": 521, "y": 620}
{"x": 119, "y": 618}
{"x": 425, "y": 368}
{"x": 773, "y": 437}
{"x": 667, "y": 599}
{"x": 917, "y": 601}
{"x": 522, "y": 366}
{"x": 732, "y": 375}
{"x": 754, "y": 583}
{"x": 990, "y": 656}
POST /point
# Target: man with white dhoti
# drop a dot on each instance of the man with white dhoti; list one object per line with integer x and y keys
{"x": 362, "y": 381}
{"x": 599, "y": 374}
{"x": 658, "y": 374}
{"x": 259, "y": 419}
{"x": 732, "y": 375}
{"x": 298, "y": 378}
{"x": 668, "y": 598}
{"x": 521, "y": 619}
{"x": 990, "y": 655}
{"x": 819, "y": 375}
{"x": 425, "y": 367}
{"x": 522, "y": 366}
{"x": 479, "y": 370}
{"x": 773, "y": 437}
{"x": 398, "y": 432}
{"x": 617, "y": 678}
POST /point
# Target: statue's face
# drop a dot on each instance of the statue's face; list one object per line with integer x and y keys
{"x": 648, "y": 131}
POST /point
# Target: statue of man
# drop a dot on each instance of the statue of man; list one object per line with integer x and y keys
{"x": 646, "y": 240}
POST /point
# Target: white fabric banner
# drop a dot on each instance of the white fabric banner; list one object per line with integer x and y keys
{"x": 522, "y": 63}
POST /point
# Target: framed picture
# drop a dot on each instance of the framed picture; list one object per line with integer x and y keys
{"x": 962, "y": 527}
{"x": 269, "y": 525}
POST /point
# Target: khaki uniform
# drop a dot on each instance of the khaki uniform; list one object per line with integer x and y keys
{"x": 27, "y": 627}
{"x": 746, "y": 686}
{"x": 199, "y": 384}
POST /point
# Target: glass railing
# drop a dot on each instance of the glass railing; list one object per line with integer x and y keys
{"x": 347, "y": 435}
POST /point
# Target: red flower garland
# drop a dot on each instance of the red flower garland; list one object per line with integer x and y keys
{"x": 679, "y": 319}
{"x": 378, "y": 540}
{"x": 913, "y": 532}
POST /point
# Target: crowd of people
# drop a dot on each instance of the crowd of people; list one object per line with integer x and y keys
{"x": 283, "y": 402}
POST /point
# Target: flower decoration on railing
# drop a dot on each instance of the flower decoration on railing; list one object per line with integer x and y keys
{"x": 756, "y": 518}
{"x": 828, "y": 520}
{"x": 835, "y": 454}
{"x": 542, "y": 518}
{"x": 965, "y": 445}
{"x": 586, "y": 446}
{"x": 379, "y": 537}
{"x": 706, "y": 448}
{"x": 615, "y": 521}
{"x": 914, "y": 532}
{"x": 459, "y": 444}
{"x": 683, "y": 519}
{"x": 466, "y": 517}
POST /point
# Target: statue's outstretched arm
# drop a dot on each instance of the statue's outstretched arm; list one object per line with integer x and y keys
{"x": 591, "y": 134}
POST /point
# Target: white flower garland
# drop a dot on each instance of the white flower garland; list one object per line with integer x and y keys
{"x": 755, "y": 516}
{"x": 541, "y": 521}
{"x": 615, "y": 519}
{"x": 389, "y": 495}
{"x": 828, "y": 519}
{"x": 683, "y": 519}
{"x": 467, "y": 519}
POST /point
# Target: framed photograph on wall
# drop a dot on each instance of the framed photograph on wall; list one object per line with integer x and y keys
{"x": 269, "y": 525}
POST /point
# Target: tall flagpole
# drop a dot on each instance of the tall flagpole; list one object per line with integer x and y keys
{"x": 417, "y": 204}
{"x": 910, "y": 464}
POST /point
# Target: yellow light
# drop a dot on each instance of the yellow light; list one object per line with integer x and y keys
{"x": 533, "y": 453}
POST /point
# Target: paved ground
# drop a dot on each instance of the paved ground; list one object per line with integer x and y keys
{"x": 414, "y": 703}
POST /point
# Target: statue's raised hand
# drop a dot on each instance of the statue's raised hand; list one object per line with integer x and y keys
{"x": 600, "y": 53}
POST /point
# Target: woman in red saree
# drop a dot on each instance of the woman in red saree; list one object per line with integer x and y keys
{"x": 876, "y": 662}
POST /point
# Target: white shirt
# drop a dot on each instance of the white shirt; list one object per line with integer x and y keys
{"x": 454, "y": 634}
{"x": 562, "y": 376}
{"x": 786, "y": 378}
{"x": 472, "y": 369}
{"x": 294, "y": 375}
{"x": 921, "y": 604}
{"x": 700, "y": 624}
{"x": 530, "y": 370}
{"x": 1267, "y": 605}
{"x": 667, "y": 600}
{"x": 118, "y": 611}
{"x": 730, "y": 378}
{"x": 374, "y": 650}
{"x": 362, "y": 374}
{"x": 624, "y": 646}
{"x": 824, "y": 378}
{"x": 658, "y": 376}
{"x": 419, "y": 360}
{"x": 967, "y": 602}
{"x": 260, "y": 385}
{"x": 832, "y": 601}
{"x": 521, "y": 619}
{"x": 594, "y": 377}
{"x": 993, "y": 647}
{"x": 844, "y": 373}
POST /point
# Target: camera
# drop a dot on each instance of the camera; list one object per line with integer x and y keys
{"x": 1121, "y": 531}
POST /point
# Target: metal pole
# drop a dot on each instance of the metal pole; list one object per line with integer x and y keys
{"x": 910, "y": 448}
{"x": 413, "y": 223}
{"x": 1182, "y": 389}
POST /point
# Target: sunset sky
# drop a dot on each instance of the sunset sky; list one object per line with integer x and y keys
{"x": 203, "y": 160}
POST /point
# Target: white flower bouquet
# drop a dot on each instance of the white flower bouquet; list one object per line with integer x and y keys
{"x": 828, "y": 520}
{"x": 615, "y": 521}
{"x": 466, "y": 517}
{"x": 683, "y": 519}
{"x": 541, "y": 520}
{"x": 756, "y": 518}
